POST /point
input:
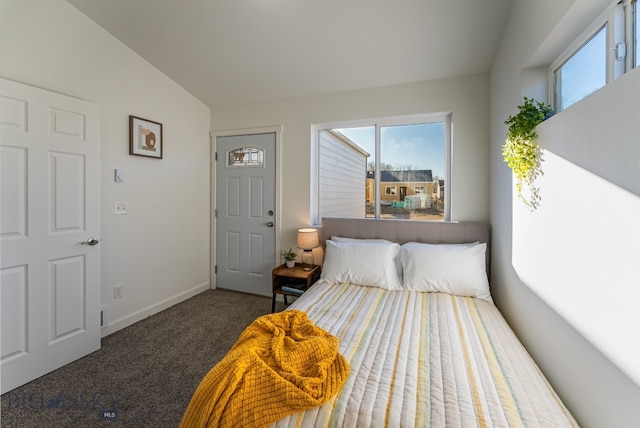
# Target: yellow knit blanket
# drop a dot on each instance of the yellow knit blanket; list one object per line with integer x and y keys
{"x": 281, "y": 364}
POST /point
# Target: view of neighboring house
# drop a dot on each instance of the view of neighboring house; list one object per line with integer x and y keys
{"x": 409, "y": 189}
{"x": 397, "y": 185}
{"x": 341, "y": 183}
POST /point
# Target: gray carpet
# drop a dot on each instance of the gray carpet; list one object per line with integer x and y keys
{"x": 145, "y": 374}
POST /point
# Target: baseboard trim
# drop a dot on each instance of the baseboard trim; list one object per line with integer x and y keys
{"x": 133, "y": 318}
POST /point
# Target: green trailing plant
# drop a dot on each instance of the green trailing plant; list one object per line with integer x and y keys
{"x": 521, "y": 151}
{"x": 288, "y": 255}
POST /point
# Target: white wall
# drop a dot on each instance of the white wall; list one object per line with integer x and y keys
{"x": 466, "y": 97}
{"x": 566, "y": 275}
{"x": 160, "y": 250}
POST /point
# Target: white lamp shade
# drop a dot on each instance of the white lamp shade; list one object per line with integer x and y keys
{"x": 308, "y": 239}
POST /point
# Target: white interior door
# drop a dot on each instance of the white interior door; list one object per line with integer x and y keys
{"x": 245, "y": 226}
{"x": 50, "y": 208}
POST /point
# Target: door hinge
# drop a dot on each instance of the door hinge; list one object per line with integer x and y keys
{"x": 215, "y": 212}
{"x": 215, "y": 269}
{"x": 104, "y": 318}
{"x": 215, "y": 156}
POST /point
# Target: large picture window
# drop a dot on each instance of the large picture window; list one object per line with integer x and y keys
{"x": 385, "y": 168}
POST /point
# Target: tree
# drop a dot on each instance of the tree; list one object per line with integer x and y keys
{"x": 389, "y": 167}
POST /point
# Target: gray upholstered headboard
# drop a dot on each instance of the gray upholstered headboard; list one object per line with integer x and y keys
{"x": 401, "y": 231}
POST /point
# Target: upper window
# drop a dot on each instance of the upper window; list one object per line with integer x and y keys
{"x": 583, "y": 73}
{"x": 600, "y": 55}
{"x": 385, "y": 168}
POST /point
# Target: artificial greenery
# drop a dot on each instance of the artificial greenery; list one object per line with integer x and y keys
{"x": 521, "y": 151}
{"x": 288, "y": 255}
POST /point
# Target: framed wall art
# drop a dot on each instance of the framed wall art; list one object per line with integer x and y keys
{"x": 145, "y": 138}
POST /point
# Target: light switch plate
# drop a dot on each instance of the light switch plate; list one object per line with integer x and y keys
{"x": 120, "y": 208}
{"x": 119, "y": 175}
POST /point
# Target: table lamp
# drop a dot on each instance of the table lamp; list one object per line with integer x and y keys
{"x": 307, "y": 240}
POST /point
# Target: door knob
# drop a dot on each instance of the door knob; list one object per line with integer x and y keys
{"x": 270, "y": 224}
{"x": 91, "y": 241}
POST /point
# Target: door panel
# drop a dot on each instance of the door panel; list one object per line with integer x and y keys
{"x": 233, "y": 252}
{"x": 256, "y": 253}
{"x": 67, "y": 288}
{"x": 245, "y": 236}
{"x": 233, "y": 197}
{"x": 14, "y": 311}
{"x": 67, "y": 192}
{"x": 14, "y": 197}
{"x": 50, "y": 205}
{"x": 256, "y": 198}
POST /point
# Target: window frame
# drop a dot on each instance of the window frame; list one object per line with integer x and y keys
{"x": 633, "y": 34}
{"x": 378, "y": 123}
{"x": 616, "y": 19}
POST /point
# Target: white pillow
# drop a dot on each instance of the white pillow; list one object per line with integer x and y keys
{"x": 372, "y": 241}
{"x": 370, "y": 264}
{"x": 447, "y": 268}
{"x": 359, "y": 240}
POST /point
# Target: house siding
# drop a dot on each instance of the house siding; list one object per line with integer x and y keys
{"x": 341, "y": 177}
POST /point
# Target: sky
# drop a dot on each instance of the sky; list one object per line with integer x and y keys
{"x": 421, "y": 146}
{"x": 585, "y": 71}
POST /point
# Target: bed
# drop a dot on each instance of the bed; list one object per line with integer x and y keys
{"x": 424, "y": 358}
{"x": 420, "y": 353}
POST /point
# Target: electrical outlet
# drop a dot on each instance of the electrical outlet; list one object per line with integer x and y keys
{"x": 120, "y": 208}
{"x": 117, "y": 291}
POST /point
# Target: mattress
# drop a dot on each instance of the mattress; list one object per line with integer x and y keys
{"x": 426, "y": 359}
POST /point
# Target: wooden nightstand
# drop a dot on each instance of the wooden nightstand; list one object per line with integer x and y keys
{"x": 296, "y": 277}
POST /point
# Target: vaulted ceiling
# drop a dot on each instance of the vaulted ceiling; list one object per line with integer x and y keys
{"x": 236, "y": 52}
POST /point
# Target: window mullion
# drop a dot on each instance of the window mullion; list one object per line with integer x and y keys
{"x": 448, "y": 181}
{"x": 630, "y": 9}
{"x": 377, "y": 174}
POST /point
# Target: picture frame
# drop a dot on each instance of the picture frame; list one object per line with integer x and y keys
{"x": 145, "y": 138}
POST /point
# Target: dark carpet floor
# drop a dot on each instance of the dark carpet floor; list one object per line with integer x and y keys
{"x": 144, "y": 375}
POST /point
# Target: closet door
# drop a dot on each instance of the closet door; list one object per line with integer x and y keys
{"x": 49, "y": 231}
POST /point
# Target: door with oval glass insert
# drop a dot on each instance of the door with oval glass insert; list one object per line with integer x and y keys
{"x": 245, "y": 202}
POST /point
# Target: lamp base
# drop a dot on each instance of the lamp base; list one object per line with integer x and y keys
{"x": 307, "y": 259}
